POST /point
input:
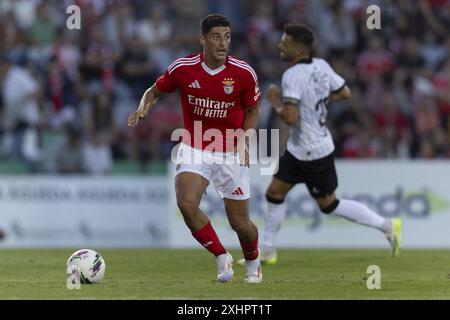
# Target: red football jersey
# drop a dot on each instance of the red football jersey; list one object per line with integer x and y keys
{"x": 211, "y": 99}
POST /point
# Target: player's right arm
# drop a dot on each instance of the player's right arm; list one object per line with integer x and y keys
{"x": 287, "y": 110}
{"x": 286, "y": 104}
{"x": 148, "y": 100}
{"x": 165, "y": 83}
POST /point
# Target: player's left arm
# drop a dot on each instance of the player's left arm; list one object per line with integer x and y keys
{"x": 339, "y": 89}
{"x": 252, "y": 115}
{"x": 251, "y": 121}
{"x": 250, "y": 101}
{"x": 341, "y": 94}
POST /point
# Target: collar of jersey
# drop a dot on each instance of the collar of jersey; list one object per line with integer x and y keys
{"x": 210, "y": 71}
{"x": 305, "y": 60}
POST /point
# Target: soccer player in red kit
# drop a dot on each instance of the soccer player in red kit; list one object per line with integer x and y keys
{"x": 218, "y": 93}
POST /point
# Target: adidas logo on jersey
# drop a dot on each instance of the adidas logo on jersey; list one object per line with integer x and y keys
{"x": 238, "y": 192}
{"x": 195, "y": 85}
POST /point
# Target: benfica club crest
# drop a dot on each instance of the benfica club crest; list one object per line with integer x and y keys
{"x": 228, "y": 85}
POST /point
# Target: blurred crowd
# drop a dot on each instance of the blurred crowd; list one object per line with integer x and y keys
{"x": 66, "y": 94}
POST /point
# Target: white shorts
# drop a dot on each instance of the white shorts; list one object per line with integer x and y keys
{"x": 230, "y": 179}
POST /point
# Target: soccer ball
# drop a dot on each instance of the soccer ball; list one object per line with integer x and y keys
{"x": 90, "y": 263}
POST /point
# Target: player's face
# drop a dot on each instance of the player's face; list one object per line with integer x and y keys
{"x": 289, "y": 50}
{"x": 217, "y": 42}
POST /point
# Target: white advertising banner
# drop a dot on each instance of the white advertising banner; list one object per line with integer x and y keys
{"x": 416, "y": 191}
{"x": 84, "y": 211}
{"x": 38, "y": 211}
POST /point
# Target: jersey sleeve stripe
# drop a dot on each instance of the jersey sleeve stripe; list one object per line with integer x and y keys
{"x": 182, "y": 60}
{"x": 339, "y": 89}
{"x": 238, "y": 61}
{"x": 244, "y": 64}
{"x": 244, "y": 67}
{"x": 183, "y": 64}
{"x": 291, "y": 100}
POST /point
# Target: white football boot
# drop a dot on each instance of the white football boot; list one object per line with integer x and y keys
{"x": 253, "y": 271}
{"x": 224, "y": 267}
{"x": 394, "y": 236}
{"x": 268, "y": 257}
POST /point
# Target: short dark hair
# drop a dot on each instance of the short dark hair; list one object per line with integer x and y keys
{"x": 300, "y": 33}
{"x": 213, "y": 20}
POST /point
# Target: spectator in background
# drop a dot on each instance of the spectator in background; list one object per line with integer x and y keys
{"x": 151, "y": 140}
{"x": 360, "y": 146}
{"x": 375, "y": 60}
{"x": 169, "y": 119}
{"x": 338, "y": 30}
{"x": 436, "y": 14}
{"x": 184, "y": 32}
{"x": 43, "y": 30}
{"x": 97, "y": 155}
{"x": 136, "y": 68}
{"x": 124, "y": 44}
{"x": 68, "y": 156}
{"x": 118, "y": 24}
{"x": 441, "y": 82}
{"x": 261, "y": 33}
{"x": 59, "y": 91}
{"x": 426, "y": 118}
{"x": 11, "y": 35}
{"x": 142, "y": 145}
{"x": 410, "y": 57}
{"x": 391, "y": 126}
{"x": 100, "y": 125}
{"x": 67, "y": 53}
{"x": 99, "y": 57}
{"x": 155, "y": 33}
{"x": 21, "y": 114}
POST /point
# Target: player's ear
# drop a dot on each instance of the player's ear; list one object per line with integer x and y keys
{"x": 202, "y": 39}
{"x": 298, "y": 49}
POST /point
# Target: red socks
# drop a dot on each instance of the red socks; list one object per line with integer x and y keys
{"x": 208, "y": 238}
{"x": 250, "y": 250}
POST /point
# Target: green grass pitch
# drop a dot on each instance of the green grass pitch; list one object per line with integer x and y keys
{"x": 190, "y": 274}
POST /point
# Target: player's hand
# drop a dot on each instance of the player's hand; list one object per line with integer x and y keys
{"x": 133, "y": 118}
{"x": 244, "y": 155}
{"x": 140, "y": 113}
{"x": 273, "y": 95}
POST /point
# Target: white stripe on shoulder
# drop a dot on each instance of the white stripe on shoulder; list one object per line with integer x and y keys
{"x": 246, "y": 68}
{"x": 184, "y": 59}
{"x": 237, "y": 60}
{"x": 191, "y": 63}
{"x": 243, "y": 63}
{"x": 179, "y": 60}
{"x": 173, "y": 65}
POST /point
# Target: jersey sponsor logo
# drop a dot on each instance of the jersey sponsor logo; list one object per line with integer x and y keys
{"x": 210, "y": 108}
{"x": 228, "y": 85}
{"x": 208, "y": 103}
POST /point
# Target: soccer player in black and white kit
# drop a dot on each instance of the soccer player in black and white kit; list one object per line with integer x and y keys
{"x": 307, "y": 86}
